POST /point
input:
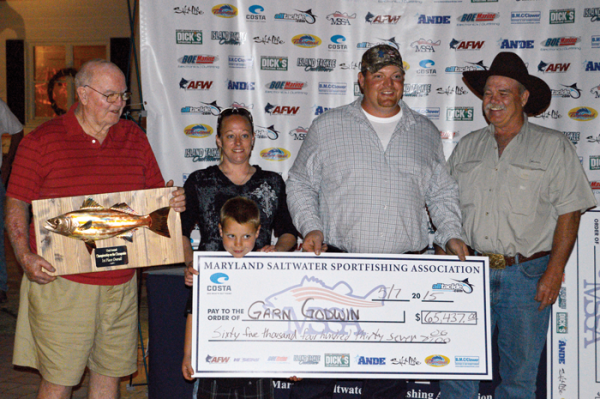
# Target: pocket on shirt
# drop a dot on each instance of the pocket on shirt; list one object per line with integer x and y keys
{"x": 466, "y": 175}
{"x": 524, "y": 188}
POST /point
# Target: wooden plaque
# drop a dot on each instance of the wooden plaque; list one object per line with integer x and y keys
{"x": 70, "y": 256}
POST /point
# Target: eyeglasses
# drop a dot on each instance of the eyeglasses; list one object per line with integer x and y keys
{"x": 235, "y": 111}
{"x": 111, "y": 98}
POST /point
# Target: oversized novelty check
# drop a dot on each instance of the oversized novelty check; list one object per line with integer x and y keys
{"x": 342, "y": 316}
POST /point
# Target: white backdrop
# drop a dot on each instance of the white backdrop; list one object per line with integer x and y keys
{"x": 290, "y": 61}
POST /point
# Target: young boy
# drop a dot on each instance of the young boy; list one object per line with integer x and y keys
{"x": 239, "y": 227}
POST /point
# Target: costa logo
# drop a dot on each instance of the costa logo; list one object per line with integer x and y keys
{"x": 275, "y": 154}
{"x": 583, "y": 114}
{"x": 224, "y": 11}
{"x": 437, "y": 361}
{"x": 337, "y": 43}
{"x": 198, "y": 131}
{"x": 256, "y": 14}
{"x": 306, "y": 40}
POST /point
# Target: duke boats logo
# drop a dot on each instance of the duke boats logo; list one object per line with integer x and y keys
{"x": 188, "y": 36}
{"x": 275, "y": 154}
{"x": 198, "y": 131}
{"x": 306, "y": 40}
{"x": 301, "y": 16}
{"x": 224, "y": 11}
{"x": 340, "y": 18}
{"x": 384, "y": 19}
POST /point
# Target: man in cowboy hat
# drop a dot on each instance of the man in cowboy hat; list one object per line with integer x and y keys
{"x": 522, "y": 191}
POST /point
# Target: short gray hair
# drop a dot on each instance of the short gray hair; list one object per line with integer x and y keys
{"x": 86, "y": 72}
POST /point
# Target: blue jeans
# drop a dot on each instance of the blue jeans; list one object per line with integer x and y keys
{"x": 3, "y": 273}
{"x": 522, "y": 331}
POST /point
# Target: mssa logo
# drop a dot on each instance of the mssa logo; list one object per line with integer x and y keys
{"x": 275, "y": 154}
{"x": 562, "y": 345}
{"x": 256, "y": 14}
{"x": 433, "y": 19}
{"x": 281, "y": 109}
{"x": 595, "y": 91}
{"x": 370, "y": 361}
{"x": 195, "y": 84}
{"x": 299, "y": 133}
{"x": 338, "y": 43}
{"x": 466, "y": 44}
{"x": 340, "y": 18}
{"x": 557, "y": 67}
{"x": 515, "y": 44}
{"x": 381, "y": 19}
{"x": 583, "y": 114}
{"x": 239, "y": 85}
{"x": 263, "y": 132}
{"x": 306, "y": 40}
{"x": 426, "y": 46}
{"x": 591, "y": 66}
{"x": 437, "y": 361}
{"x": 198, "y": 131}
{"x": 224, "y": 11}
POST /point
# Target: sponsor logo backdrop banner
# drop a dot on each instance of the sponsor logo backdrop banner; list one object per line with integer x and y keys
{"x": 288, "y": 62}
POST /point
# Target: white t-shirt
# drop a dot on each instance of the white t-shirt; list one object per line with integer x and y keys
{"x": 8, "y": 122}
{"x": 384, "y": 127}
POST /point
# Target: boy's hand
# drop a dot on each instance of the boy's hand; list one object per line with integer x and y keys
{"x": 177, "y": 201}
{"x": 186, "y": 369}
{"x": 189, "y": 273}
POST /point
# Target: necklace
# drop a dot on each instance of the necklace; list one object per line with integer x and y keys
{"x": 237, "y": 182}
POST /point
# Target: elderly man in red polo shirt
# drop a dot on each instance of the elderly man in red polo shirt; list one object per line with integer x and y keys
{"x": 89, "y": 320}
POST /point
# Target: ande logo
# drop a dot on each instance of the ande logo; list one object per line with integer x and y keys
{"x": 437, "y": 361}
{"x": 198, "y": 131}
{"x": 275, "y": 154}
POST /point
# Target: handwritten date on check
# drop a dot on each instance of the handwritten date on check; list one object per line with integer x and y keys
{"x": 342, "y": 316}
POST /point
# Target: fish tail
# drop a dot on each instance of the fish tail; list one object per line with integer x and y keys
{"x": 158, "y": 221}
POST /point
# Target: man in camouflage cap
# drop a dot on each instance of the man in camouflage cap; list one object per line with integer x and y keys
{"x": 366, "y": 173}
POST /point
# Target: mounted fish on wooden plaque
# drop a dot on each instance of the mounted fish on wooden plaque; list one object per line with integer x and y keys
{"x": 111, "y": 231}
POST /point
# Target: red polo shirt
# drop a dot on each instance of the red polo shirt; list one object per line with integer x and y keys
{"x": 58, "y": 159}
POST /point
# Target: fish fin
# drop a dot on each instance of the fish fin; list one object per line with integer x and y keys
{"x": 127, "y": 236}
{"x": 86, "y": 225}
{"x": 90, "y": 204}
{"x": 90, "y": 245}
{"x": 123, "y": 207}
{"x": 158, "y": 221}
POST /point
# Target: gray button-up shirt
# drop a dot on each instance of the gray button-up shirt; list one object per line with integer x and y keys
{"x": 367, "y": 199}
{"x": 510, "y": 204}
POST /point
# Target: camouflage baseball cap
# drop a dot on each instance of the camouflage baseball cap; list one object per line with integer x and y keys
{"x": 380, "y": 56}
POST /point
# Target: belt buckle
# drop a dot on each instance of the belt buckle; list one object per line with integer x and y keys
{"x": 497, "y": 261}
